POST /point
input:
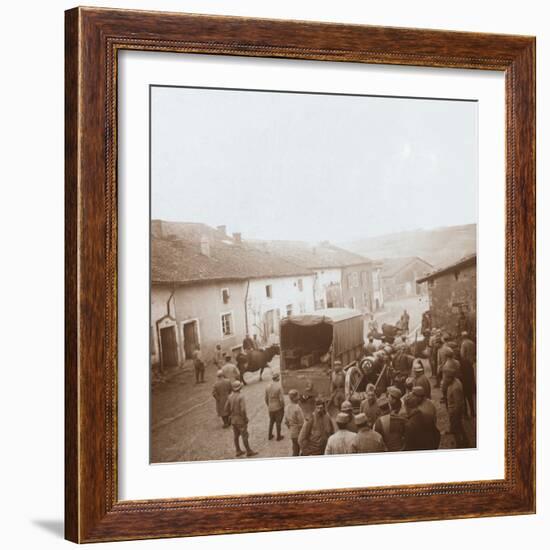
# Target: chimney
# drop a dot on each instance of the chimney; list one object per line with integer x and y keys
{"x": 205, "y": 246}
{"x": 237, "y": 237}
{"x": 222, "y": 230}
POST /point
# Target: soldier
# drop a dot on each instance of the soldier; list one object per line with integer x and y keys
{"x": 370, "y": 348}
{"x": 218, "y": 356}
{"x": 235, "y": 408}
{"x": 229, "y": 370}
{"x": 419, "y": 434}
{"x": 391, "y": 426}
{"x": 420, "y": 378}
{"x": 347, "y": 408}
{"x": 248, "y": 343}
{"x": 337, "y": 385}
{"x": 220, "y": 392}
{"x": 316, "y": 431}
{"x": 443, "y": 353}
{"x": 366, "y": 440}
{"x": 369, "y": 406}
{"x": 467, "y": 361}
{"x": 405, "y": 321}
{"x": 455, "y": 405}
{"x": 340, "y": 442}
{"x": 199, "y": 365}
{"x": 294, "y": 420}
{"x": 427, "y": 408}
{"x": 275, "y": 402}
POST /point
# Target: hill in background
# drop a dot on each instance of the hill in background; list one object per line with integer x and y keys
{"x": 437, "y": 246}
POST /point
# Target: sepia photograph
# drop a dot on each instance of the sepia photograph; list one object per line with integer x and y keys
{"x": 313, "y": 279}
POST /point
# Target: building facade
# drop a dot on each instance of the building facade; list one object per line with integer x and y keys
{"x": 400, "y": 275}
{"x": 452, "y": 292}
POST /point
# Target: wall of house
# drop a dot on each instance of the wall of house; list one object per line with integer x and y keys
{"x": 357, "y": 287}
{"x": 403, "y": 283}
{"x": 451, "y": 293}
{"x": 285, "y": 291}
{"x": 204, "y": 303}
{"x": 328, "y": 288}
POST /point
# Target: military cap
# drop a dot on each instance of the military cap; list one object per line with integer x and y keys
{"x": 419, "y": 391}
{"x": 337, "y": 363}
{"x": 236, "y": 385}
{"x": 275, "y": 376}
{"x": 418, "y": 367}
{"x": 319, "y": 401}
{"x": 346, "y": 406}
{"x": 409, "y": 382}
{"x": 394, "y": 392}
{"x": 411, "y": 401}
{"x": 383, "y": 404}
{"x": 361, "y": 419}
{"x": 219, "y": 374}
{"x": 342, "y": 418}
{"x": 293, "y": 394}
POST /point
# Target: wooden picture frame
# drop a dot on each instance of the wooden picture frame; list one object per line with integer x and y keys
{"x": 93, "y": 39}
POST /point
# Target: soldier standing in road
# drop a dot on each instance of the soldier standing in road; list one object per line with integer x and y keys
{"x": 294, "y": 420}
{"x": 275, "y": 402}
{"x": 199, "y": 365}
{"x": 218, "y": 357}
{"x": 316, "y": 431}
{"x": 392, "y": 426}
{"x": 420, "y": 379}
{"x": 235, "y": 408}
{"x": 370, "y": 348}
{"x": 366, "y": 439}
{"x": 427, "y": 408}
{"x": 455, "y": 405}
{"x": 347, "y": 408}
{"x": 337, "y": 385}
{"x": 220, "y": 392}
{"x": 467, "y": 362}
{"x": 419, "y": 435}
{"x": 230, "y": 371}
{"x": 369, "y": 406}
{"x": 340, "y": 443}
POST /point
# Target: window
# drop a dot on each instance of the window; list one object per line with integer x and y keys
{"x": 364, "y": 277}
{"x": 227, "y": 324}
{"x": 289, "y": 310}
{"x": 353, "y": 280}
{"x": 351, "y": 302}
{"x": 225, "y": 295}
{"x": 268, "y": 291}
{"x": 365, "y": 299}
{"x": 300, "y": 285}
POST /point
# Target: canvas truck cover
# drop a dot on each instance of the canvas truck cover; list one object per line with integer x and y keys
{"x": 342, "y": 327}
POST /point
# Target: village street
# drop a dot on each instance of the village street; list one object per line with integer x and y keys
{"x": 415, "y": 306}
{"x": 184, "y": 425}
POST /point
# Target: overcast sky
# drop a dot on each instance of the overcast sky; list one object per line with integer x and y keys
{"x": 312, "y": 167}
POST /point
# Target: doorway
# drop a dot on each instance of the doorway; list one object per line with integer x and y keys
{"x": 168, "y": 346}
{"x": 190, "y": 338}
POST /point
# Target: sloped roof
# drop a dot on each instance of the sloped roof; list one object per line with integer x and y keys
{"x": 392, "y": 266}
{"x": 310, "y": 256}
{"x": 180, "y": 261}
{"x": 469, "y": 260}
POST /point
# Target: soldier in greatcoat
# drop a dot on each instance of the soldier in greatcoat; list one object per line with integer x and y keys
{"x": 235, "y": 408}
{"x": 220, "y": 392}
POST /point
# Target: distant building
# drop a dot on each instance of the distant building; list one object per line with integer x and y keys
{"x": 399, "y": 277}
{"x": 208, "y": 288}
{"x": 452, "y": 291}
{"x": 341, "y": 278}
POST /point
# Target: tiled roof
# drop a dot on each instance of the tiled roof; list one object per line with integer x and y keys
{"x": 310, "y": 256}
{"x": 181, "y": 261}
{"x": 392, "y": 266}
{"x": 469, "y": 260}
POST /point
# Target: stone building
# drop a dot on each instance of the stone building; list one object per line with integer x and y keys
{"x": 453, "y": 295}
{"x": 399, "y": 277}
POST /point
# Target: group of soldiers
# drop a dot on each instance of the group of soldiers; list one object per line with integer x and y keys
{"x": 401, "y": 418}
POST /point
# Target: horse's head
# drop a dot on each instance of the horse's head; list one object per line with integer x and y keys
{"x": 273, "y": 350}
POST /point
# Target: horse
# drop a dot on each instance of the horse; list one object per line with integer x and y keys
{"x": 258, "y": 359}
